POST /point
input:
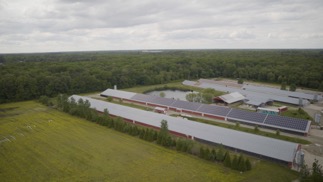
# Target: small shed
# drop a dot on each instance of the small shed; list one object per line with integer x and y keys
{"x": 282, "y": 108}
{"x": 268, "y": 111}
{"x": 160, "y": 110}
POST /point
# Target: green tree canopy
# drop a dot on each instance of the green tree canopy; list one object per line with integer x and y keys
{"x": 162, "y": 94}
{"x": 72, "y": 73}
{"x": 227, "y": 160}
{"x": 292, "y": 87}
{"x": 283, "y": 86}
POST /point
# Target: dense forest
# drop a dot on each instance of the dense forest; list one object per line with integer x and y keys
{"x": 28, "y": 76}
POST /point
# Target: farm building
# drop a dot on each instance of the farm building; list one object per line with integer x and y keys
{"x": 160, "y": 110}
{"x": 259, "y": 146}
{"x": 230, "y": 98}
{"x": 268, "y": 111}
{"x": 255, "y": 103}
{"x": 257, "y": 94}
{"x": 283, "y": 108}
{"x": 117, "y": 94}
{"x": 272, "y": 111}
{"x": 287, "y": 124}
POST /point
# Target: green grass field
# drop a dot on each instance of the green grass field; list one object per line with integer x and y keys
{"x": 297, "y": 114}
{"x": 42, "y": 144}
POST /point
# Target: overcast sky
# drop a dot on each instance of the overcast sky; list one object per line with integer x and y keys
{"x": 77, "y": 25}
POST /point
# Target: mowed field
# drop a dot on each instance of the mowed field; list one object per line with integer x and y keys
{"x": 38, "y": 143}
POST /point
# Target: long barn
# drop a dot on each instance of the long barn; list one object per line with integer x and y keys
{"x": 264, "y": 147}
{"x": 282, "y": 123}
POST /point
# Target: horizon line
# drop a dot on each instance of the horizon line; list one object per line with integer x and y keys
{"x": 159, "y": 49}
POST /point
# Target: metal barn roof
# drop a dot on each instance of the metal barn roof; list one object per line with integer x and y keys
{"x": 232, "y": 97}
{"x": 254, "y": 103}
{"x": 118, "y": 93}
{"x": 276, "y": 91}
{"x": 250, "y": 94}
{"x": 273, "y": 148}
{"x": 214, "y": 110}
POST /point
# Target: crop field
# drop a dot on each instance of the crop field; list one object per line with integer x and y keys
{"x": 38, "y": 143}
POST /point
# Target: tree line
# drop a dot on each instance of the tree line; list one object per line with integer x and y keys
{"x": 81, "y": 108}
{"x": 239, "y": 163}
{"x": 314, "y": 174}
{"x": 28, "y": 76}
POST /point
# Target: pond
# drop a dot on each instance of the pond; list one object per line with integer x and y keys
{"x": 172, "y": 94}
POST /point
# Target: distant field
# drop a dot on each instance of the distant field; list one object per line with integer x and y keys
{"x": 41, "y": 144}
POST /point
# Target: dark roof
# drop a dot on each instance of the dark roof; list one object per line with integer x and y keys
{"x": 247, "y": 116}
{"x": 269, "y": 147}
{"x": 193, "y": 106}
{"x": 278, "y": 122}
{"x": 215, "y": 110}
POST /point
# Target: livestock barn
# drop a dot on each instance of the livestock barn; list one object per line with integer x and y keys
{"x": 263, "y": 147}
{"x": 259, "y": 93}
{"x": 287, "y": 124}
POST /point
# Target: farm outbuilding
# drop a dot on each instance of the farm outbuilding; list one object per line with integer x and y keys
{"x": 259, "y": 93}
{"x": 263, "y": 147}
{"x": 160, "y": 110}
{"x": 230, "y": 98}
{"x": 255, "y": 103}
{"x": 287, "y": 124}
{"x": 119, "y": 94}
{"x": 268, "y": 111}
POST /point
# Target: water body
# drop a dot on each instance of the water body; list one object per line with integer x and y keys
{"x": 172, "y": 94}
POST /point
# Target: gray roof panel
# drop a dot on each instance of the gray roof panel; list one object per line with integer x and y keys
{"x": 247, "y": 115}
{"x": 215, "y": 110}
{"x": 234, "y": 114}
{"x": 143, "y": 98}
{"x": 287, "y": 122}
{"x": 232, "y": 97}
{"x": 193, "y": 106}
{"x": 276, "y": 91}
{"x": 118, "y": 93}
{"x": 254, "y": 102}
{"x": 264, "y": 146}
{"x": 251, "y": 94}
{"x": 219, "y": 87}
{"x": 163, "y": 101}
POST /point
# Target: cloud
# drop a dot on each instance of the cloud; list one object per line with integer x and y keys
{"x": 36, "y": 25}
{"x": 242, "y": 35}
